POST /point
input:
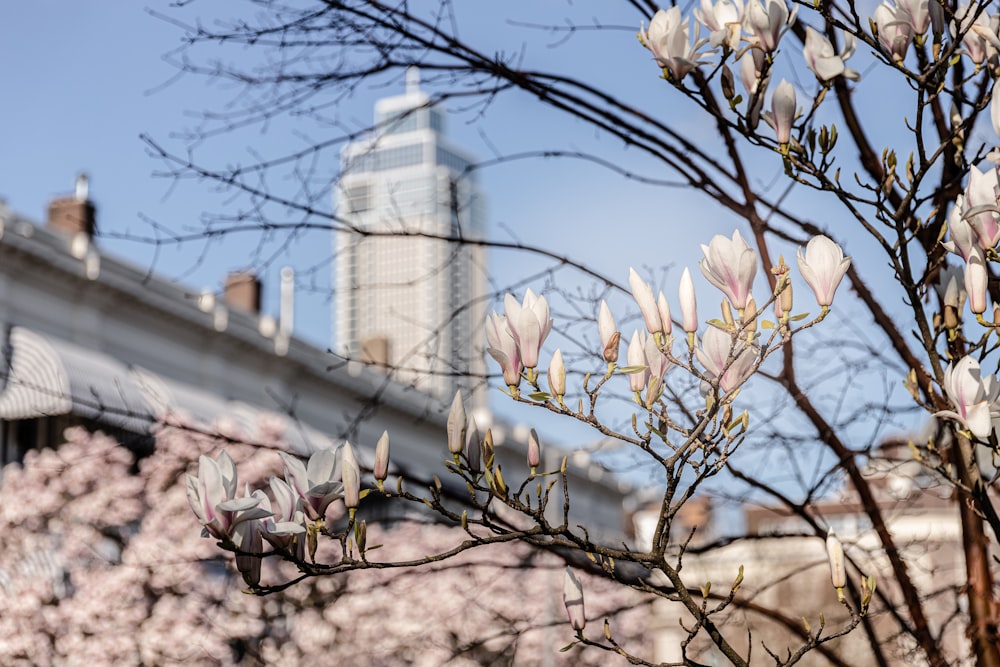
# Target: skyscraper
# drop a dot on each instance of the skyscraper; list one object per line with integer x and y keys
{"x": 407, "y": 297}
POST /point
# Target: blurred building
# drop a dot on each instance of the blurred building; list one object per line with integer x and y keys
{"x": 786, "y": 576}
{"x": 89, "y": 339}
{"x": 409, "y": 298}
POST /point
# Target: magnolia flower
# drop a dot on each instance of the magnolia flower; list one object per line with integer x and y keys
{"x": 212, "y": 496}
{"x": 610, "y": 337}
{"x": 916, "y": 13}
{"x": 287, "y": 521}
{"x": 643, "y": 295}
{"x": 981, "y": 206}
{"x": 751, "y": 66}
{"x": 979, "y": 34}
{"x": 835, "y": 555}
{"x": 664, "y": 309}
{"x": 249, "y": 545}
{"x": 557, "y": 375}
{"x": 351, "y": 475}
{"x": 456, "y": 425}
{"x": 782, "y": 115}
{"x": 730, "y": 265}
{"x": 717, "y": 347}
{"x": 954, "y": 294}
{"x": 894, "y": 30}
{"x": 656, "y": 368}
{"x": 723, "y": 20}
{"x": 503, "y": 349}
{"x": 636, "y": 358}
{"x": 529, "y": 323}
{"x": 963, "y": 237}
{"x": 689, "y": 304}
{"x": 823, "y": 267}
{"x": 823, "y": 61}
{"x": 767, "y": 22}
{"x": 534, "y": 450}
{"x": 380, "y": 469}
{"x": 668, "y": 39}
{"x": 317, "y": 483}
{"x": 573, "y": 599}
{"x": 976, "y": 282}
{"x": 971, "y": 395}
{"x": 474, "y": 447}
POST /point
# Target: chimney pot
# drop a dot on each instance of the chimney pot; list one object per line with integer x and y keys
{"x": 243, "y": 291}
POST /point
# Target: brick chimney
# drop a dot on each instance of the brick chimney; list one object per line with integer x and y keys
{"x": 72, "y": 215}
{"x": 243, "y": 291}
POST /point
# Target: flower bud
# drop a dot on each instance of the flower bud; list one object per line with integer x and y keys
{"x": 976, "y": 282}
{"x": 643, "y": 295}
{"x": 534, "y": 450}
{"x": 573, "y": 599}
{"x": 488, "y": 453}
{"x": 610, "y": 337}
{"x": 689, "y": 303}
{"x": 749, "y": 321}
{"x": 456, "y": 425}
{"x": 838, "y": 571}
{"x": 473, "y": 447}
{"x": 351, "y": 476}
{"x": 557, "y": 376}
{"x": 664, "y": 308}
{"x": 380, "y": 470}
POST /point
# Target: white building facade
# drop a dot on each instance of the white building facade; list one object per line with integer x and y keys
{"x": 410, "y": 278}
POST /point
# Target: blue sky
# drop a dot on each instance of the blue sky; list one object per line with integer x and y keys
{"x": 82, "y": 81}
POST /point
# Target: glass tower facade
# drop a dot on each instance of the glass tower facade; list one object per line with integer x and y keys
{"x": 407, "y": 298}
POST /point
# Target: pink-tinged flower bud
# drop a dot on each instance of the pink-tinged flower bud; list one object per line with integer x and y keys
{"x": 976, "y": 282}
{"x": 456, "y": 425}
{"x": 381, "y": 468}
{"x": 689, "y": 303}
{"x": 351, "y": 475}
{"x": 529, "y": 323}
{"x": 730, "y": 265}
{"x": 610, "y": 337}
{"x": 823, "y": 267}
{"x": 664, "y": 308}
{"x": 573, "y": 599}
{"x": 838, "y": 569}
{"x": 643, "y": 295}
{"x": 534, "y": 450}
{"x": 717, "y": 346}
{"x": 636, "y": 357}
{"x": 783, "y": 106}
{"x": 557, "y": 375}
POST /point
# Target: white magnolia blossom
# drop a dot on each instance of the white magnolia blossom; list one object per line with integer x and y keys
{"x": 978, "y": 31}
{"x": 823, "y": 60}
{"x": 767, "y": 21}
{"x": 717, "y": 347}
{"x": 894, "y": 30}
{"x": 974, "y": 398}
{"x": 963, "y": 237}
{"x": 673, "y": 47}
{"x": 981, "y": 209}
{"x": 782, "y": 114}
{"x": 723, "y": 20}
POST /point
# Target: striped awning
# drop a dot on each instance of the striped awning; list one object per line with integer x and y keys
{"x": 47, "y": 376}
